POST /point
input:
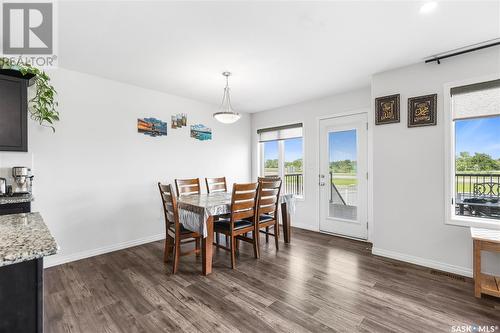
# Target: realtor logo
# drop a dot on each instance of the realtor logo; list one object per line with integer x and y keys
{"x": 27, "y": 28}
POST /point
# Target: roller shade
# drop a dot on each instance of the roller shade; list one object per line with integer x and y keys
{"x": 476, "y": 100}
{"x": 280, "y": 133}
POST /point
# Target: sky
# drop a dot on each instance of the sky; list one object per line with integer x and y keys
{"x": 342, "y": 145}
{"x": 293, "y": 150}
{"x": 478, "y": 136}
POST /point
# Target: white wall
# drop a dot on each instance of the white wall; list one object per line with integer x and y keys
{"x": 409, "y": 169}
{"x": 95, "y": 178}
{"x": 306, "y": 216}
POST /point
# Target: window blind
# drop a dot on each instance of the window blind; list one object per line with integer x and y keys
{"x": 280, "y": 132}
{"x": 476, "y": 100}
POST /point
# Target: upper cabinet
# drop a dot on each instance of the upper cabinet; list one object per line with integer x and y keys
{"x": 13, "y": 111}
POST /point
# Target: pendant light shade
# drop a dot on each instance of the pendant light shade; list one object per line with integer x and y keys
{"x": 226, "y": 113}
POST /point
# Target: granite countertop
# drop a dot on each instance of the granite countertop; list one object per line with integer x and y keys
{"x": 16, "y": 199}
{"x": 24, "y": 237}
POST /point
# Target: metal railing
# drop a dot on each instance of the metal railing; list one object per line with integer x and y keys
{"x": 294, "y": 184}
{"x": 477, "y": 185}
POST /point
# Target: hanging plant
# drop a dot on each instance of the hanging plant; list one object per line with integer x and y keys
{"x": 41, "y": 107}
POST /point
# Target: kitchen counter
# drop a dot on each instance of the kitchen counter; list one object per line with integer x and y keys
{"x": 16, "y": 199}
{"x": 24, "y": 237}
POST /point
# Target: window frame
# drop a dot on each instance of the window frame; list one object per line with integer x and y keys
{"x": 449, "y": 154}
{"x": 281, "y": 162}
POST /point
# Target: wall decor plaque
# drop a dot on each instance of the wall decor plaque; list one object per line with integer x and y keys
{"x": 422, "y": 111}
{"x": 387, "y": 110}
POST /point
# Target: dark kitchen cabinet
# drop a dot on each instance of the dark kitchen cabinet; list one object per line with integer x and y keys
{"x": 21, "y": 288}
{"x": 13, "y": 112}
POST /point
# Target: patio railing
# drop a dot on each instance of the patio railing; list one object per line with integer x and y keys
{"x": 478, "y": 195}
{"x": 294, "y": 184}
{"x": 477, "y": 185}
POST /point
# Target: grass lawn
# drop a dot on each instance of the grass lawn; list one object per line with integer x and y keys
{"x": 344, "y": 181}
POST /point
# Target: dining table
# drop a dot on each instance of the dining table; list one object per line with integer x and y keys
{"x": 197, "y": 213}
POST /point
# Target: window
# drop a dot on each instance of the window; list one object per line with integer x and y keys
{"x": 281, "y": 151}
{"x": 475, "y": 133}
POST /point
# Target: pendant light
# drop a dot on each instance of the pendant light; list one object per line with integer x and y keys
{"x": 226, "y": 113}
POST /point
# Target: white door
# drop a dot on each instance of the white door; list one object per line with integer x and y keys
{"x": 343, "y": 176}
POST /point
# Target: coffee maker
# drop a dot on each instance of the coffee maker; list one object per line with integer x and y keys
{"x": 22, "y": 180}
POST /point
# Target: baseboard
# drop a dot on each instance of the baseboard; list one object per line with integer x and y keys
{"x": 305, "y": 227}
{"x": 62, "y": 259}
{"x": 464, "y": 271}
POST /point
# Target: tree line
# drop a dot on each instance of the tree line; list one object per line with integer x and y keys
{"x": 477, "y": 162}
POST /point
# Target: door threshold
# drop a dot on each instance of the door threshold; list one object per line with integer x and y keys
{"x": 344, "y": 236}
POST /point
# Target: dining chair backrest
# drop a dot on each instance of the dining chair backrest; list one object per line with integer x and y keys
{"x": 268, "y": 178}
{"x": 243, "y": 201}
{"x": 216, "y": 184}
{"x": 187, "y": 186}
{"x": 169, "y": 206}
{"x": 268, "y": 197}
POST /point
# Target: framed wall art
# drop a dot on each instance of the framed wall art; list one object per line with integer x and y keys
{"x": 179, "y": 120}
{"x": 201, "y": 132}
{"x": 151, "y": 126}
{"x": 387, "y": 110}
{"x": 422, "y": 111}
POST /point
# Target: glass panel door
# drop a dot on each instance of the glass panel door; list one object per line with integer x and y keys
{"x": 343, "y": 176}
{"x": 342, "y": 180}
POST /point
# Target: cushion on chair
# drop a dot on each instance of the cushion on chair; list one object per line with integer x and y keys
{"x": 265, "y": 218}
{"x": 183, "y": 230}
{"x": 223, "y": 225}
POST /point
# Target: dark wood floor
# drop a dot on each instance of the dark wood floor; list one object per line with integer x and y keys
{"x": 319, "y": 283}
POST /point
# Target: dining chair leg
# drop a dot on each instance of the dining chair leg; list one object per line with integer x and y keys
{"x": 276, "y": 238}
{"x": 177, "y": 255}
{"x": 217, "y": 239}
{"x": 227, "y": 240}
{"x": 255, "y": 236}
{"x": 233, "y": 252}
{"x": 197, "y": 245}
{"x": 267, "y": 234}
{"x": 166, "y": 249}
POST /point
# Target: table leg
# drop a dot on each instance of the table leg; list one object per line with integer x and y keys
{"x": 477, "y": 268}
{"x": 208, "y": 247}
{"x": 461, "y": 209}
{"x": 285, "y": 219}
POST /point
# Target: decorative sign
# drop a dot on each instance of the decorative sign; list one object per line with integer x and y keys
{"x": 387, "y": 110}
{"x": 152, "y": 127}
{"x": 201, "y": 132}
{"x": 422, "y": 111}
{"x": 179, "y": 120}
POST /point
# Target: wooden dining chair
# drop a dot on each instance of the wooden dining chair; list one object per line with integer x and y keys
{"x": 216, "y": 184}
{"x": 187, "y": 186}
{"x": 175, "y": 235}
{"x": 242, "y": 220}
{"x": 268, "y": 197}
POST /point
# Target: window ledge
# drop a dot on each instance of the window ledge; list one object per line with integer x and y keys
{"x": 474, "y": 222}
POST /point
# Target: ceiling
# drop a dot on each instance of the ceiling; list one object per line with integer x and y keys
{"x": 280, "y": 53}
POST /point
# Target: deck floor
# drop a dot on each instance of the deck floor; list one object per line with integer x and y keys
{"x": 318, "y": 283}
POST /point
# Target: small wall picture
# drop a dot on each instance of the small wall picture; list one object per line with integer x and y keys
{"x": 201, "y": 132}
{"x": 387, "y": 110}
{"x": 151, "y": 126}
{"x": 422, "y": 111}
{"x": 179, "y": 120}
